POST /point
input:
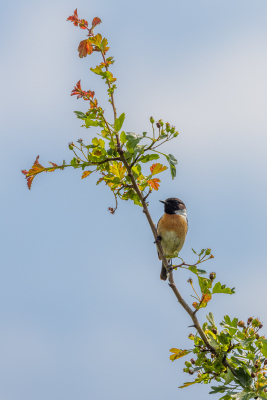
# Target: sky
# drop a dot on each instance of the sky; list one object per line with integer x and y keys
{"x": 83, "y": 312}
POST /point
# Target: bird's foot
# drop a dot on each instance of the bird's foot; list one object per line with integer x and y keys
{"x": 158, "y": 239}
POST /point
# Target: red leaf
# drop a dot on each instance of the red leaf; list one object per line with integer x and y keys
{"x": 96, "y": 21}
{"x": 74, "y": 18}
{"x": 83, "y": 24}
{"x": 85, "y": 48}
{"x": 153, "y": 183}
{"x": 157, "y": 168}
{"x": 29, "y": 181}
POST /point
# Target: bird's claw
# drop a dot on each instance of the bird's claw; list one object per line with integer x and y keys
{"x": 158, "y": 239}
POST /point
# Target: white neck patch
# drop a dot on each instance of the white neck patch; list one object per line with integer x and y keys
{"x": 183, "y": 213}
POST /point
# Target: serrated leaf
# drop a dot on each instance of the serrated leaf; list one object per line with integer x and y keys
{"x": 218, "y": 289}
{"x": 157, "y": 168}
{"x": 154, "y": 183}
{"x": 243, "y": 376}
{"x": 80, "y": 114}
{"x": 85, "y": 174}
{"x": 123, "y": 137}
{"x": 178, "y": 353}
{"x": 85, "y": 48}
{"x": 118, "y": 170}
{"x": 210, "y": 318}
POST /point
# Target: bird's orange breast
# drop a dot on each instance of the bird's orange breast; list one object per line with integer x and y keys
{"x": 173, "y": 229}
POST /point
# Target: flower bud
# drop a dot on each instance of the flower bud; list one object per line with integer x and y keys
{"x": 160, "y": 122}
{"x": 241, "y": 324}
{"x": 152, "y": 120}
{"x": 249, "y": 320}
{"x": 257, "y": 336}
{"x": 256, "y": 365}
{"x": 172, "y": 129}
{"x": 260, "y": 326}
{"x": 191, "y": 336}
{"x": 158, "y": 125}
{"x": 192, "y": 361}
{"x": 252, "y": 374}
{"x": 214, "y": 330}
{"x": 175, "y": 134}
{"x": 191, "y": 372}
{"x": 212, "y": 276}
{"x": 265, "y": 361}
{"x": 167, "y": 127}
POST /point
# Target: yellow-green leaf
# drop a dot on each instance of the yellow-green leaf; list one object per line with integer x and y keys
{"x": 157, "y": 168}
{"x": 178, "y": 353}
{"x": 118, "y": 170}
{"x": 86, "y": 173}
{"x": 186, "y": 384}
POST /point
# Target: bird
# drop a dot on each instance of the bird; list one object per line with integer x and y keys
{"x": 172, "y": 228}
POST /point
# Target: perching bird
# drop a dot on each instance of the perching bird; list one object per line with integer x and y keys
{"x": 172, "y": 228}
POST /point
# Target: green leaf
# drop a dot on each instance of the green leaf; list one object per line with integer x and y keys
{"x": 172, "y": 161}
{"x": 210, "y": 318}
{"x": 218, "y": 289}
{"x": 90, "y": 122}
{"x": 123, "y": 137}
{"x": 119, "y": 122}
{"x": 243, "y": 376}
{"x": 178, "y": 353}
{"x": 148, "y": 157}
{"x": 80, "y": 114}
{"x": 228, "y": 377}
{"x": 204, "y": 284}
{"x": 264, "y": 348}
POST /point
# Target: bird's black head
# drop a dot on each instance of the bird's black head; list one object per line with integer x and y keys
{"x": 172, "y": 205}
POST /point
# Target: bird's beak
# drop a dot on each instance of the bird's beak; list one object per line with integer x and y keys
{"x": 162, "y": 201}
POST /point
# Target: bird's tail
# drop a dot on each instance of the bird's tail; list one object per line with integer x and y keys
{"x": 163, "y": 274}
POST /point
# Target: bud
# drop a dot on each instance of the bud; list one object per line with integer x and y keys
{"x": 265, "y": 390}
{"x": 265, "y": 361}
{"x": 256, "y": 322}
{"x": 191, "y": 372}
{"x": 160, "y": 122}
{"x": 175, "y": 134}
{"x": 190, "y": 280}
{"x": 191, "y": 336}
{"x": 172, "y": 129}
{"x": 192, "y": 361}
{"x": 256, "y": 365}
{"x": 257, "y": 336}
{"x": 212, "y": 355}
{"x": 157, "y": 125}
{"x": 241, "y": 324}
{"x": 252, "y": 374}
{"x": 249, "y": 320}
{"x": 214, "y": 330}
{"x": 212, "y": 276}
{"x": 167, "y": 127}
{"x": 152, "y": 120}
{"x": 260, "y": 326}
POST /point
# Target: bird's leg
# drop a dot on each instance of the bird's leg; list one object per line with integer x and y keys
{"x": 158, "y": 239}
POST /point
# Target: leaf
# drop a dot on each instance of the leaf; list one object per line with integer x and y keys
{"x": 96, "y": 40}
{"x": 119, "y": 122}
{"x": 172, "y": 161}
{"x": 243, "y": 376}
{"x": 103, "y": 45}
{"x": 80, "y": 114}
{"x": 157, "y": 168}
{"x": 85, "y": 48}
{"x": 186, "y": 384}
{"x": 118, "y": 170}
{"x": 218, "y": 289}
{"x": 210, "y": 318}
{"x": 123, "y": 137}
{"x": 148, "y": 157}
{"x": 178, "y": 353}
{"x": 153, "y": 183}
{"x": 85, "y": 174}
{"x": 96, "y": 21}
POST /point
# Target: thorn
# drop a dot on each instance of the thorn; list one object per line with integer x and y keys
{"x": 192, "y": 326}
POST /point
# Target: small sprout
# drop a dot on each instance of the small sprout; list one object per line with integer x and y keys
{"x": 214, "y": 330}
{"x": 252, "y": 374}
{"x": 241, "y": 324}
{"x": 211, "y": 256}
{"x": 190, "y": 280}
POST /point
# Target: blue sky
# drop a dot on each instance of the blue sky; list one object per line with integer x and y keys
{"x": 84, "y": 314}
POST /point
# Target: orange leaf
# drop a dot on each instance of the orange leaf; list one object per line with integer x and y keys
{"x": 206, "y": 298}
{"x": 86, "y": 173}
{"x": 195, "y": 305}
{"x": 157, "y": 168}
{"x": 153, "y": 183}
{"x": 85, "y": 48}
